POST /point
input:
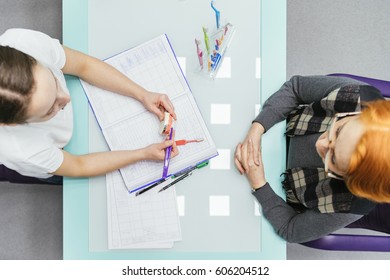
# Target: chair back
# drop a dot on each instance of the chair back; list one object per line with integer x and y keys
{"x": 382, "y": 85}
{"x": 12, "y": 176}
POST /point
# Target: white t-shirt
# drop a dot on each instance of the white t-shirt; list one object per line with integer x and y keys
{"x": 35, "y": 149}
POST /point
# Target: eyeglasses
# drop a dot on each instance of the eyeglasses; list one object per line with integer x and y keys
{"x": 331, "y": 137}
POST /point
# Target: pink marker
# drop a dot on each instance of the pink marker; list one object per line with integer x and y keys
{"x": 199, "y": 53}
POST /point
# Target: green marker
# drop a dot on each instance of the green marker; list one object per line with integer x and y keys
{"x": 206, "y": 40}
{"x": 203, "y": 164}
{"x": 188, "y": 170}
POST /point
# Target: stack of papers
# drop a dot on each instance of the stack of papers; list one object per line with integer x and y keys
{"x": 149, "y": 220}
{"x": 127, "y": 125}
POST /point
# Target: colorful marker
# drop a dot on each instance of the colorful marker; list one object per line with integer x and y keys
{"x": 206, "y": 40}
{"x": 199, "y": 53}
{"x": 217, "y": 13}
{"x": 184, "y": 142}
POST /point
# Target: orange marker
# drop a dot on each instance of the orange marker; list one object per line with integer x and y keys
{"x": 184, "y": 142}
{"x": 166, "y": 124}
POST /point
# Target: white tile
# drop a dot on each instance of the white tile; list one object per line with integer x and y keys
{"x": 180, "y": 205}
{"x": 257, "y": 208}
{"x": 220, "y": 113}
{"x": 182, "y": 63}
{"x": 257, "y": 109}
{"x": 225, "y": 70}
{"x": 222, "y": 161}
{"x": 219, "y": 205}
{"x": 258, "y": 68}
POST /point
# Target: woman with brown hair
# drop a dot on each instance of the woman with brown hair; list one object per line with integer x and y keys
{"x": 36, "y": 119}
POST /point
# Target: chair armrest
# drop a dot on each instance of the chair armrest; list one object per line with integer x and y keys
{"x": 350, "y": 242}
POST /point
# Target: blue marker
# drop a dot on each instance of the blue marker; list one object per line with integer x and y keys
{"x": 217, "y": 60}
{"x": 217, "y": 13}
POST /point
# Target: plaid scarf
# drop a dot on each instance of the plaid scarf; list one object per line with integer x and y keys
{"x": 309, "y": 187}
{"x": 317, "y": 116}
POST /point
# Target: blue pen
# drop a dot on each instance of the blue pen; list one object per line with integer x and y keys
{"x": 167, "y": 156}
{"x": 217, "y": 13}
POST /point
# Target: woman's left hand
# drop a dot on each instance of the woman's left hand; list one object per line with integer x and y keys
{"x": 157, "y": 103}
{"x": 255, "y": 172}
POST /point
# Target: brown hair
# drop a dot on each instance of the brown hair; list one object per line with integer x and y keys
{"x": 16, "y": 85}
{"x": 369, "y": 168}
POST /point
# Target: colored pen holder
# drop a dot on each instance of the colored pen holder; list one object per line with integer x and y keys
{"x": 212, "y": 52}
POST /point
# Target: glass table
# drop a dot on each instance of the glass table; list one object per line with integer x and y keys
{"x": 219, "y": 217}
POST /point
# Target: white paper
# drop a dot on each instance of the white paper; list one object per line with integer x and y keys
{"x": 149, "y": 220}
{"x": 126, "y": 124}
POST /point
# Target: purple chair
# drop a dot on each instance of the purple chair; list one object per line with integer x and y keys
{"x": 377, "y": 220}
{"x": 382, "y": 85}
{"x": 12, "y": 176}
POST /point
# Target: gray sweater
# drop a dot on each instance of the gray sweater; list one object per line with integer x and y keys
{"x": 309, "y": 225}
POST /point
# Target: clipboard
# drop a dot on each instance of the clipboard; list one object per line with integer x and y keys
{"x": 126, "y": 124}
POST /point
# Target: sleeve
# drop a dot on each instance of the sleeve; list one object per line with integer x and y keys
{"x": 44, "y": 163}
{"x": 42, "y": 47}
{"x": 299, "y": 227}
{"x": 31, "y": 157}
{"x": 297, "y": 91}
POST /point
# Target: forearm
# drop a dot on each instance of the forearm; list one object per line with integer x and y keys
{"x": 105, "y": 76}
{"x": 296, "y": 91}
{"x": 299, "y": 227}
{"x": 101, "y": 74}
{"x": 96, "y": 164}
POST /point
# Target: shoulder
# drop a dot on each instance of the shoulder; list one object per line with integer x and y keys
{"x": 14, "y": 36}
{"x": 39, "y": 45}
{"x": 29, "y": 151}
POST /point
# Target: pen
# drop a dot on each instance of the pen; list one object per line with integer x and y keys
{"x": 150, "y": 187}
{"x": 167, "y": 156}
{"x": 198, "y": 166}
{"x": 176, "y": 181}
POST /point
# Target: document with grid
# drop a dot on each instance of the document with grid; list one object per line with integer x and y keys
{"x": 143, "y": 222}
{"x": 127, "y": 125}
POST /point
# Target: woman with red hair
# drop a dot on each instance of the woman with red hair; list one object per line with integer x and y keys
{"x": 368, "y": 172}
{"x": 338, "y": 141}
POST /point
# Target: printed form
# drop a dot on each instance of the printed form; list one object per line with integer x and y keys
{"x": 149, "y": 220}
{"x": 126, "y": 124}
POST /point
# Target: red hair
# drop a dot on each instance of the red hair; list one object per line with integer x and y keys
{"x": 368, "y": 174}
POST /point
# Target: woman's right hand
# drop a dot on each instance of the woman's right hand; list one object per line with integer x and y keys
{"x": 241, "y": 159}
{"x": 157, "y": 151}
